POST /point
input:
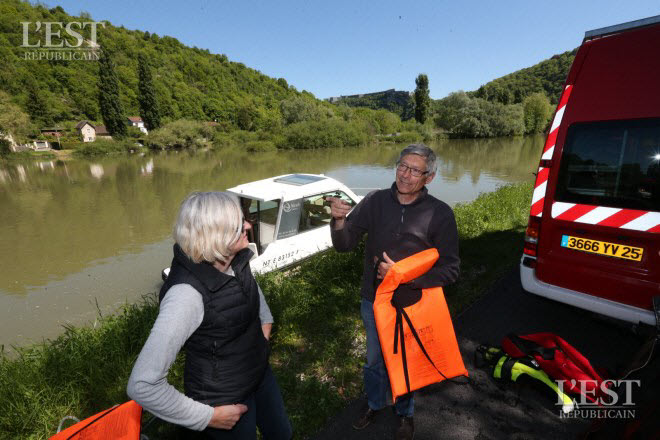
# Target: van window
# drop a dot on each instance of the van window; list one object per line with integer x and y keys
{"x": 614, "y": 164}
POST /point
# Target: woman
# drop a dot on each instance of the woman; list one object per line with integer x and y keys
{"x": 212, "y": 306}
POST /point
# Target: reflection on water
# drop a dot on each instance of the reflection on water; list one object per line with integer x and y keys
{"x": 61, "y": 218}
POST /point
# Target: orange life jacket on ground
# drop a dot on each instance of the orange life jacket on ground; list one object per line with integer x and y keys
{"x": 121, "y": 422}
{"x": 423, "y": 349}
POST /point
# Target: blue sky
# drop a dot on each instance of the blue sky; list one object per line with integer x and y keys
{"x": 343, "y": 47}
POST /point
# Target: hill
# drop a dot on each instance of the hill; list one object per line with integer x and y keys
{"x": 190, "y": 83}
{"x": 547, "y": 77}
{"x": 399, "y": 102}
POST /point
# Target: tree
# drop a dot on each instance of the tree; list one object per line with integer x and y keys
{"x": 537, "y": 111}
{"x": 149, "y": 110}
{"x": 422, "y": 98}
{"x": 111, "y": 109}
{"x": 37, "y": 106}
{"x": 13, "y": 120}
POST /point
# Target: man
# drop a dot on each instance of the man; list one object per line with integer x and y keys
{"x": 399, "y": 222}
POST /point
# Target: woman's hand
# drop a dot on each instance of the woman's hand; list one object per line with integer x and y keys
{"x": 226, "y": 416}
{"x": 266, "y": 328}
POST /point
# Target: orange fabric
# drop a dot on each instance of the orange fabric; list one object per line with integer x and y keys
{"x": 431, "y": 320}
{"x": 120, "y": 422}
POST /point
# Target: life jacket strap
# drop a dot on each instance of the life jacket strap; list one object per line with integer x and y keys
{"x": 530, "y": 347}
{"x": 398, "y": 331}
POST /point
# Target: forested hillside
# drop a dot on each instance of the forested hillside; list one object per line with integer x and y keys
{"x": 399, "y": 102}
{"x": 190, "y": 83}
{"x": 547, "y": 77}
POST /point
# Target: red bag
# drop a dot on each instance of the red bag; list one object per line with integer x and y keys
{"x": 561, "y": 361}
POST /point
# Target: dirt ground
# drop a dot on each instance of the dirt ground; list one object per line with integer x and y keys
{"x": 486, "y": 409}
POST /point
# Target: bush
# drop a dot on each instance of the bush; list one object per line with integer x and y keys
{"x": 260, "y": 146}
{"x": 4, "y": 147}
{"x": 180, "y": 134}
{"x": 463, "y": 116}
{"x": 407, "y": 137}
{"x": 537, "y": 111}
{"x": 330, "y": 133}
{"x": 104, "y": 147}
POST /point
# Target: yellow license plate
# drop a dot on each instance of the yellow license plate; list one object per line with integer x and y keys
{"x": 602, "y": 248}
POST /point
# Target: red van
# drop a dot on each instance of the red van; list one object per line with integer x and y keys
{"x": 593, "y": 238}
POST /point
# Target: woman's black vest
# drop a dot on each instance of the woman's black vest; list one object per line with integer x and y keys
{"x": 227, "y": 355}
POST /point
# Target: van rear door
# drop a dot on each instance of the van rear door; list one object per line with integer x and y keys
{"x": 601, "y": 234}
{"x": 600, "y": 226}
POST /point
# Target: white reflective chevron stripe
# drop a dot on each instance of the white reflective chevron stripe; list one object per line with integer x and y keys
{"x": 548, "y": 154}
{"x": 597, "y": 215}
{"x": 558, "y": 116}
{"x": 539, "y": 192}
{"x": 645, "y": 222}
{"x": 558, "y": 208}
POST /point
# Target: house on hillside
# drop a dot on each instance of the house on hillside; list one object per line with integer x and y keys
{"x": 86, "y": 131}
{"x": 102, "y": 132}
{"x": 136, "y": 121}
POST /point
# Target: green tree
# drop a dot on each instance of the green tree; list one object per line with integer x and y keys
{"x": 537, "y": 110}
{"x": 422, "y": 98}
{"x": 111, "y": 109}
{"x": 37, "y": 105}
{"x": 14, "y": 121}
{"x": 149, "y": 110}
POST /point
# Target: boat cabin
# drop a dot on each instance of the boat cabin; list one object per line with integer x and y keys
{"x": 290, "y": 217}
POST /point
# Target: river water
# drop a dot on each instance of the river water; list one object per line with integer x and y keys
{"x": 79, "y": 237}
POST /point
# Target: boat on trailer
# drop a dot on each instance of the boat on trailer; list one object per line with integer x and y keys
{"x": 290, "y": 217}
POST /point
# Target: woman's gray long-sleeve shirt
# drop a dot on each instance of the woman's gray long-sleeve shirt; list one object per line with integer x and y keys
{"x": 181, "y": 313}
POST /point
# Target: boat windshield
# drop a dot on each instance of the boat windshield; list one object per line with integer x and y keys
{"x": 263, "y": 218}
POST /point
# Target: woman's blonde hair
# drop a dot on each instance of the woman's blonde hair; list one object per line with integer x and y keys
{"x": 207, "y": 225}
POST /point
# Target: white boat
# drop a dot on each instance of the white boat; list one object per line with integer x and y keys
{"x": 290, "y": 217}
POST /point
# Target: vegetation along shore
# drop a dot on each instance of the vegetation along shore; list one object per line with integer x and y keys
{"x": 315, "y": 360}
{"x": 142, "y": 90}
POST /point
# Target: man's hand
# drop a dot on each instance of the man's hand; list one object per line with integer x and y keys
{"x": 338, "y": 209}
{"x": 384, "y": 266}
{"x": 266, "y": 328}
{"x": 226, "y": 416}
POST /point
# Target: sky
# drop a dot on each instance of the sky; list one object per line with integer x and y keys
{"x": 344, "y": 47}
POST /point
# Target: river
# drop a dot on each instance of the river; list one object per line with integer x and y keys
{"x": 82, "y": 237}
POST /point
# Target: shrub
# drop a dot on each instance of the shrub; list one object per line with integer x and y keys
{"x": 329, "y": 133}
{"x": 104, "y": 147}
{"x": 4, "y": 147}
{"x": 180, "y": 134}
{"x": 260, "y": 146}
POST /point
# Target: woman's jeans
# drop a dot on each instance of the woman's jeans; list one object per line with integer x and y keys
{"x": 376, "y": 382}
{"x": 265, "y": 410}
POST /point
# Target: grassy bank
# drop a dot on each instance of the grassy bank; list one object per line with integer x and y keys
{"x": 318, "y": 343}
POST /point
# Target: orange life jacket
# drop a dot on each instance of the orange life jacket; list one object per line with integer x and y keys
{"x": 121, "y": 422}
{"x": 417, "y": 340}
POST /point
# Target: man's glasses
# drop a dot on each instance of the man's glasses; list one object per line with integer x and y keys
{"x": 402, "y": 168}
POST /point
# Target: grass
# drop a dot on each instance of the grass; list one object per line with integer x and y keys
{"x": 318, "y": 342}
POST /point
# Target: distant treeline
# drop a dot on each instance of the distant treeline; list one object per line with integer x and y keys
{"x": 519, "y": 103}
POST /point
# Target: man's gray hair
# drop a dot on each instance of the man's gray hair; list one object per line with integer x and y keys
{"x": 420, "y": 150}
